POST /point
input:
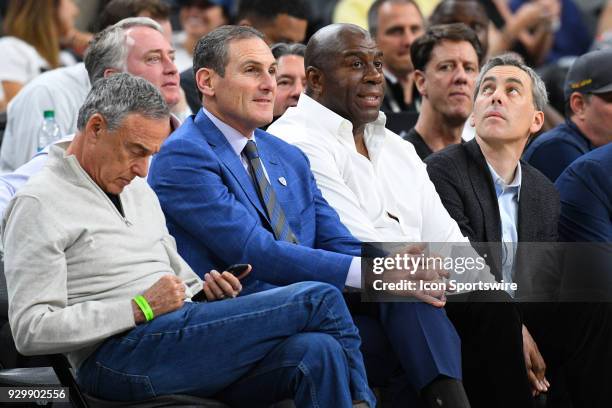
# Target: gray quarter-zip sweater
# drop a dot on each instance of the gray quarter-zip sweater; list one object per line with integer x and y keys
{"x": 73, "y": 262}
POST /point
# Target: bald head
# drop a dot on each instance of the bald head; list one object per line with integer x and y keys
{"x": 329, "y": 42}
{"x": 344, "y": 72}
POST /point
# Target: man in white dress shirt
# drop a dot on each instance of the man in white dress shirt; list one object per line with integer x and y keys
{"x": 369, "y": 175}
{"x": 372, "y": 178}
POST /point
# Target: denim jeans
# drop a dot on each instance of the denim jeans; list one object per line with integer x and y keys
{"x": 297, "y": 342}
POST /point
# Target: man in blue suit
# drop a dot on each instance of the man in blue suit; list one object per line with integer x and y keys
{"x": 235, "y": 194}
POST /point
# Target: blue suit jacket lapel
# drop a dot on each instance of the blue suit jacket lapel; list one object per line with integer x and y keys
{"x": 275, "y": 171}
{"x": 228, "y": 157}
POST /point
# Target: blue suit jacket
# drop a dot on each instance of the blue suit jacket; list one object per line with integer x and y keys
{"x": 213, "y": 210}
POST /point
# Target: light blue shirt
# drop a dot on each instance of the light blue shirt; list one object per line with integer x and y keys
{"x": 508, "y": 196}
{"x": 236, "y": 139}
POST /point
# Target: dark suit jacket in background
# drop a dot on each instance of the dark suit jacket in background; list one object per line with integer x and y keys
{"x": 394, "y": 96}
{"x": 213, "y": 210}
{"x": 465, "y": 185}
{"x": 191, "y": 91}
{"x": 574, "y": 338}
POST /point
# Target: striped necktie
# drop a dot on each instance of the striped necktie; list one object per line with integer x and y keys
{"x": 280, "y": 227}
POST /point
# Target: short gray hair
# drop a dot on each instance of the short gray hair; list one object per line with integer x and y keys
{"x": 211, "y": 50}
{"x": 109, "y": 50}
{"x": 282, "y": 49}
{"x": 119, "y": 95}
{"x": 538, "y": 89}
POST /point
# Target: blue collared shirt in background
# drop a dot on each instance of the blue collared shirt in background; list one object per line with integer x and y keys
{"x": 553, "y": 151}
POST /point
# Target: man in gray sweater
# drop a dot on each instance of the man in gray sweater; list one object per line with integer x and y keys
{"x": 93, "y": 273}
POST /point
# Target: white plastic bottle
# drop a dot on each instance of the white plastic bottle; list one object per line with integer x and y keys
{"x": 49, "y": 131}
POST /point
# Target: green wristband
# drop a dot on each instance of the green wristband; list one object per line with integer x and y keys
{"x": 144, "y": 306}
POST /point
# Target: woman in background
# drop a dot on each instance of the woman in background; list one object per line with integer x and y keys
{"x": 35, "y": 30}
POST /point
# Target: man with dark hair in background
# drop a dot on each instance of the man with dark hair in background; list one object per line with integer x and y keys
{"x": 445, "y": 60}
{"x": 290, "y": 75}
{"x": 469, "y": 12}
{"x": 117, "y": 10}
{"x": 197, "y": 18}
{"x": 279, "y": 20}
{"x": 394, "y": 25}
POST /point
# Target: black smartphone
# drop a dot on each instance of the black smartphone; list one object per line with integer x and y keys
{"x": 235, "y": 269}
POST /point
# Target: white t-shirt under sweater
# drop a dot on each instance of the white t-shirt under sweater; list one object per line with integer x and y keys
{"x": 73, "y": 262}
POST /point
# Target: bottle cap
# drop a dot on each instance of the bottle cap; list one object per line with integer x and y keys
{"x": 49, "y": 114}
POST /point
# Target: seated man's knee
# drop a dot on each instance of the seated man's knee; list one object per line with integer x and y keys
{"x": 319, "y": 289}
{"x": 317, "y": 348}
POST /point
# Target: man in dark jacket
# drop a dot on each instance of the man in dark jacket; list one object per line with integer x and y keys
{"x": 496, "y": 198}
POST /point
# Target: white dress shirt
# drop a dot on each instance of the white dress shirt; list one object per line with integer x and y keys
{"x": 386, "y": 198}
{"x": 236, "y": 139}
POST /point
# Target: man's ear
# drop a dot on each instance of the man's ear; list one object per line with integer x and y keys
{"x": 205, "y": 81}
{"x": 577, "y": 104}
{"x": 315, "y": 80}
{"x": 419, "y": 81}
{"x": 110, "y": 71}
{"x": 94, "y": 128}
{"x": 538, "y": 122}
{"x": 472, "y": 121}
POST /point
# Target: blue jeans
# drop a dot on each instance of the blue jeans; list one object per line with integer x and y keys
{"x": 297, "y": 342}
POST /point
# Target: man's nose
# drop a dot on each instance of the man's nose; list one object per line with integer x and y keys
{"x": 373, "y": 74}
{"x": 169, "y": 65}
{"x": 408, "y": 38}
{"x": 497, "y": 96}
{"x": 461, "y": 76}
{"x": 141, "y": 166}
{"x": 268, "y": 82}
{"x": 297, "y": 89}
